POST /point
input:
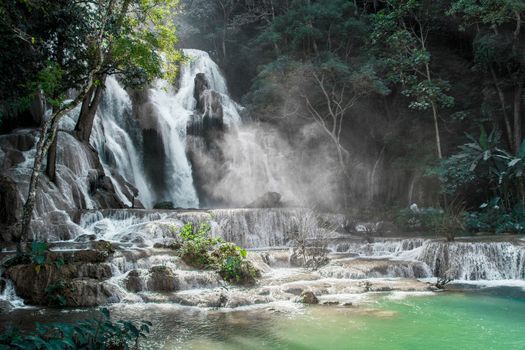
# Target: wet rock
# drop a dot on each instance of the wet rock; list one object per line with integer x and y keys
{"x": 162, "y": 279}
{"x": 12, "y": 158}
{"x": 89, "y": 292}
{"x": 267, "y": 200}
{"x": 86, "y": 238}
{"x": 308, "y": 297}
{"x": 134, "y": 282}
{"x": 104, "y": 246}
{"x": 2, "y": 285}
{"x": 58, "y": 279}
{"x": 21, "y": 141}
{"x": 164, "y": 205}
{"x": 201, "y": 85}
{"x": 81, "y": 256}
{"x": 95, "y": 271}
{"x": 294, "y": 290}
{"x": 259, "y": 261}
{"x": 9, "y": 201}
{"x": 374, "y": 268}
{"x": 5, "y": 306}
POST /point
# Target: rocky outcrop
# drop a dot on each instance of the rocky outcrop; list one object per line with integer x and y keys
{"x": 9, "y": 201}
{"x": 77, "y": 278}
{"x": 375, "y": 268}
{"x": 80, "y": 183}
{"x": 162, "y": 279}
{"x": 308, "y": 297}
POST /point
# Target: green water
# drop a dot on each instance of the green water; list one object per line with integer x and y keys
{"x": 441, "y": 321}
{"x": 451, "y": 321}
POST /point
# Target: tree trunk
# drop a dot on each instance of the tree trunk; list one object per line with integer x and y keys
{"x": 223, "y": 44}
{"x": 506, "y": 120}
{"x": 517, "y": 118}
{"x": 88, "y": 110}
{"x": 51, "y": 166}
{"x": 33, "y": 183}
{"x": 47, "y": 136}
{"x": 436, "y": 130}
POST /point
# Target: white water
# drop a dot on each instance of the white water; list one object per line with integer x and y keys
{"x": 117, "y": 136}
{"x": 116, "y": 145}
{"x": 9, "y": 295}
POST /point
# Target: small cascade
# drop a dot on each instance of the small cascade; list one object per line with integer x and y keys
{"x": 249, "y": 228}
{"x": 475, "y": 260}
{"x": 8, "y": 295}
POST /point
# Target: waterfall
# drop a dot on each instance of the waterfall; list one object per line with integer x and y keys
{"x": 144, "y": 142}
{"x": 115, "y": 141}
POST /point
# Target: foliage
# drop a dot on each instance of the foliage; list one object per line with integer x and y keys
{"x": 416, "y": 219}
{"x": 55, "y": 293}
{"x": 39, "y": 256}
{"x": 309, "y": 234}
{"x": 492, "y": 217}
{"x": 402, "y": 45}
{"x": 484, "y": 165}
{"x": 450, "y": 222}
{"x": 96, "y": 333}
{"x": 197, "y": 244}
{"x": 53, "y": 46}
{"x": 200, "y": 250}
{"x": 230, "y": 261}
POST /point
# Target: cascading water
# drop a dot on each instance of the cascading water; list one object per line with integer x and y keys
{"x": 166, "y": 111}
{"x": 115, "y": 138}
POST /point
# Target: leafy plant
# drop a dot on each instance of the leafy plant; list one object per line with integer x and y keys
{"x": 55, "y": 293}
{"x": 492, "y": 217}
{"x": 230, "y": 261}
{"x": 197, "y": 244}
{"x": 200, "y": 250}
{"x": 417, "y": 219}
{"x": 39, "y": 256}
{"x": 90, "y": 334}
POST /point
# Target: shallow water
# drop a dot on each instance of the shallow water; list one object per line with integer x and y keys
{"x": 386, "y": 321}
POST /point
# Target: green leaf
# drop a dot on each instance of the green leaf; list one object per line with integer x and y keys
{"x": 483, "y": 138}
{"x": 513, "y": 162}
{"x": 522, "y": 150}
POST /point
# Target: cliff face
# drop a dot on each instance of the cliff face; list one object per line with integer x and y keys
{"x": 81, "y": 183}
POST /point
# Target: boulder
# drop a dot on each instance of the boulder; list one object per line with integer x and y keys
{"x": 267, "y": 200}
{"x": 308, "y": 297}
{"x": 12, "y": 158}
{"x": 89, "y": 293}
{"x": 162, "y": 279}
{"x": 9, "y": 201}
{"x": 5, "y": 306}
{"x": 68, "y": 278}
{"x": 134, "y": 281}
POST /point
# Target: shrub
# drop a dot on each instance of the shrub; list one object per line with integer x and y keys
{"x": 230, "y": 261}
{"x": 493, "y": 217}
{"x": 92, "y": 334}
{"x": 417, "y": 219}
{"x": 450, "y": 222}
{"x": 200, "y": 250}
{"x": 197, "y": 244}
{"x": 446, "y": 222}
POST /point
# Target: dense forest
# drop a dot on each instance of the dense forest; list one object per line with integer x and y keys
{"x": 424, "y": 95}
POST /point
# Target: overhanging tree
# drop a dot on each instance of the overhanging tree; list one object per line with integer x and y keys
{"x": 132, "y": 38}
